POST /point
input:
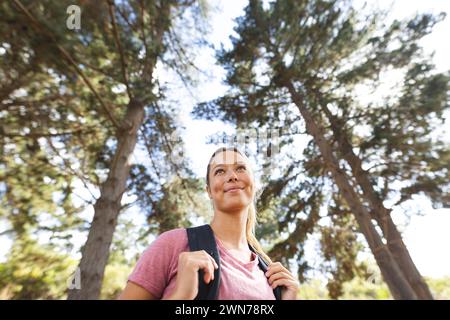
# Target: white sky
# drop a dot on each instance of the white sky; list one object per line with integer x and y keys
{"x": 427, "y": 237}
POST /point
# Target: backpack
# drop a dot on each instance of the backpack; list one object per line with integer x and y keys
{"x": 202, "y": 238}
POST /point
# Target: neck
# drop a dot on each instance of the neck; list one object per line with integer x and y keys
{"x": 230, "y": 228}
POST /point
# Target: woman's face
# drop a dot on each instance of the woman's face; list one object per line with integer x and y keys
{"x": 230, "y": 181}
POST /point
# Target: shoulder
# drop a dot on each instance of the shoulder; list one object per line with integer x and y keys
{"x": 165, "y": 249}
{"x": 159, "y": 261}
{"x": 172, "y": 240}
{"x": 174, "y": 235}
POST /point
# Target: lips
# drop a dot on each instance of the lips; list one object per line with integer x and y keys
{"x": 234, "y": 188}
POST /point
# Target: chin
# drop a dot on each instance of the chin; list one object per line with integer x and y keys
{"x": 235, "y": 205}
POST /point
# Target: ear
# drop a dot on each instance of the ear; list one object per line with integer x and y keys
{"x": 208, "y": 190}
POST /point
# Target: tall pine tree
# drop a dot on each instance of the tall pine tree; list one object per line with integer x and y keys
{"x": 309, "y": 59}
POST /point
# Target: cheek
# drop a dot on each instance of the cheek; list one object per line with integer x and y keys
{"x": 248, "y": 181}
{"x": 216, "y": 187}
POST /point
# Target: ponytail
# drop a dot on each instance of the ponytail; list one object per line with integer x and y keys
{"x": 250, "y": 232}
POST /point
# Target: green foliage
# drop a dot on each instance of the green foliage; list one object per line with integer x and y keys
{"x": 362, "y": 289}
{"x": 116, "y": 276}
{"x": 181, "y": 205}
{"x": 340, "y": 249}
{"x": 34, "y": 271}
{"x": 355, "y": 289}
{"x": 366, "y": 287}
{"x": 62, "y": 94}
{"x": 440, "y": 287}
{"x": 313, "y": 289}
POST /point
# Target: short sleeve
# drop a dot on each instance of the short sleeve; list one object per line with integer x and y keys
{"x": 153, "y": 269}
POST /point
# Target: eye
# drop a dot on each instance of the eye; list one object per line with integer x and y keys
{"x": 241, "y": 168}
{"x": 217, "y": 171}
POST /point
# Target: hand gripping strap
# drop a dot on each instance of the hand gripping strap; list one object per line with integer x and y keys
{"x": 202, "y": 238}
{"x": 263, "y": 266}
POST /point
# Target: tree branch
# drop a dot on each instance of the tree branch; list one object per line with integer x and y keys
{"x": 111, "y": 6}
{"x": 147, "y": 67}
{"x": 69, "y": 167}
{"x": 44, "y": 134}
{"x": 66, "y": 55}
{"x": 148, "y": 147}
{"x": 177, "y": 168}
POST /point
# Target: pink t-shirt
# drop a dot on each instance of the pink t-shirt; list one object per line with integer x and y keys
{"x": 156, "y": 270}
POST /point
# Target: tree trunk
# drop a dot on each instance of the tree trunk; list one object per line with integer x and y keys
{"x": 107, "y": 208}
{"x": 380, "y": 213}
{"x": 396, "y": 281}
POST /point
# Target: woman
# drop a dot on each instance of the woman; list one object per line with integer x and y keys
{"x": 168, "y": 270}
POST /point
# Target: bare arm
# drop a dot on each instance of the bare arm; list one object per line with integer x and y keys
{"x": 187, "y": 280}
{"x": 133, "y": 291}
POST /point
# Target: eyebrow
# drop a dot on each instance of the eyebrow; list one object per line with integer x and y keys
{"x": 221, "y": 165}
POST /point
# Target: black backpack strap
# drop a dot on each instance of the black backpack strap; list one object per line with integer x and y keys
{"x": 263, "y": 266}
{"x": 202, "y": 238}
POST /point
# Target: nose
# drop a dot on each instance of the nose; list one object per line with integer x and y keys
{"x": 232, "y": 177}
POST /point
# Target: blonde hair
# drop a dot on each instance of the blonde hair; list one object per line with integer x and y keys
{"x": 251, "y": 215}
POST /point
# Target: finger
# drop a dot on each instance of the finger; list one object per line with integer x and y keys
{"x": 210, "y": 265}
{"x": 213, "y": 262}
{"x": 287, "y": 283}
{"x": 204, "y": 253}
{"x": 274, "y": 268}
{"x": 281, "y": 282}
{"x": 275, "y": 264}
{"x": 210, "y": 270}
{"x": 206, "y": 266}
{"x": 280, "y": 275}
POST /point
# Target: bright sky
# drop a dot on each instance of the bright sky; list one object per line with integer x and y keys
{"x": 426, "y": 236}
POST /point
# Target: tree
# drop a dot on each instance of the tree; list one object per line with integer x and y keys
{"x": 34, "y": 271}
{"x": 307, "y": 59}
{"x": 103, "y": 88}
